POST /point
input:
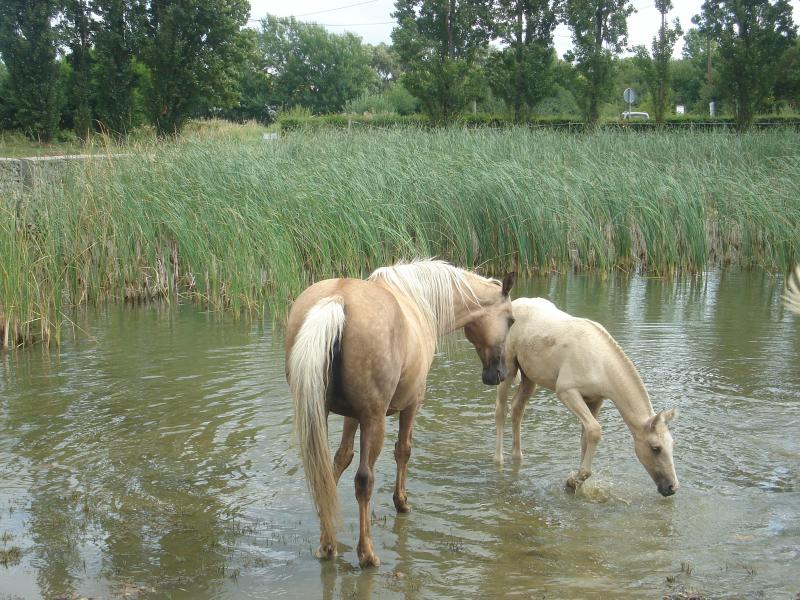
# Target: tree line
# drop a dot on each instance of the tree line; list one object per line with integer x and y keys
{"x": 113, "y": 65}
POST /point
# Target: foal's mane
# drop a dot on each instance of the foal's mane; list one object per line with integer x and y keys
{"x": 625, "y": 359}
{"x": 430, "y": 283}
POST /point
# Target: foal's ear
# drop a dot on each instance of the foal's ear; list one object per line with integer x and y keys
{"x": 665, "y": 416}
{"x": 508, "y": 282}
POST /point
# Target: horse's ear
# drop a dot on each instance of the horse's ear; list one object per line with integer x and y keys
{"x": 508, "y": 282}
{"x": 669, "y": 414}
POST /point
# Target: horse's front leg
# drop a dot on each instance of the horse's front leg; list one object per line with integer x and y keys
{"x": 524, "y": 392}
{"x": 372, "y": 431}
{"x": 590, "y": 433}
{"x": 344, "y": 455}
{"x": 402, "y": 452}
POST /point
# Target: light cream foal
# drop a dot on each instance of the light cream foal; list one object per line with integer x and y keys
{"x": 580, "y": 361}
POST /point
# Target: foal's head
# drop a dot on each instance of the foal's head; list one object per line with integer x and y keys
{"x": 653, "y": 445}
{"x": 488, "y": 328}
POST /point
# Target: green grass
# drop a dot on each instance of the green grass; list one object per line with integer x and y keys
{"x": 239, "y": 223}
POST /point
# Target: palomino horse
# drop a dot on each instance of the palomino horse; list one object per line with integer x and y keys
{"x": 362, "y": 349}
{"x": 580, "y": 361}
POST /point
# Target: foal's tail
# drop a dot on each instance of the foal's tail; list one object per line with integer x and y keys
{"x": 309, "y": 373}
{"x": 792, "y": 295}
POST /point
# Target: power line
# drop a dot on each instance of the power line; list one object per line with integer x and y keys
{"x": 327, "y": 10}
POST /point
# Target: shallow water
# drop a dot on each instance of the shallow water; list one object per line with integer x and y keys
{"x": 154, "y": 459}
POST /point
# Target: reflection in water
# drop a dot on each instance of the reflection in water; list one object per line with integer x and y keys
{"x": 155, "y": 460}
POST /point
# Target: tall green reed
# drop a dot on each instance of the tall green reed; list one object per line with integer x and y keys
{"x": 245, "y": 225}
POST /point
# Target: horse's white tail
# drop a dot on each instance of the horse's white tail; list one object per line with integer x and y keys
{"x": 792, "y": 295}
{"x": 309, "y": 366}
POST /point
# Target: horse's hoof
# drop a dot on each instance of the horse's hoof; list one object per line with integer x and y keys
{"x": 402, "y": 506}
{"x": 369, "y": 560}
{"x": 498, "y": 460}
{"x": 325, "y": 552}
{"x": 573, "y": 484}
{"x": 516, "y": 456}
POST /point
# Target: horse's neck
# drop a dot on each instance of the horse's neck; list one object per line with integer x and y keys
{"x": 465, "y": 304}
{"x": 626, "y": 389}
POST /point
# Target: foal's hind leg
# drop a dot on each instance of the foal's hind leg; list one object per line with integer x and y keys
{"x": 402, "y": 452}
{"x": 344, "y": 455}
{"x": 372, "y": 432}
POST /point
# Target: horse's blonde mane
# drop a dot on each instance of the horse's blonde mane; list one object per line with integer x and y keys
{"x": 430, "y": 283}
{"x": 625, "y": 359}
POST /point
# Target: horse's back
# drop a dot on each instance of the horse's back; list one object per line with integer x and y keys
{"x": 554, "y": 348}
{"x": 369, "y": 355}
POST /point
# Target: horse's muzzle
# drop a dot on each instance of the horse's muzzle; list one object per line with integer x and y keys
{"x": 493, "y": 376}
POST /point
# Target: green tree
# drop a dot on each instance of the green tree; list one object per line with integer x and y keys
{"x": 28, "y": 44}
{"x": 787, "y": 84}
{"x": 6, "y": 118}
{"x": 521, "y": 73}
{"x": 656, "y": 68}
{"x": 700, "y": 59}
{"x": 118, "y": 32}
{"x": 256, "y": 86}
{"x": 76, "y": 29}
{"x": 313, "y": 68}
{"x": 439, "y": 42}
{"x": 384, "y": 61}
{"x": 193, "y": 49}
{"x": 599, "y": 32}
{"x": 750, "y": 34}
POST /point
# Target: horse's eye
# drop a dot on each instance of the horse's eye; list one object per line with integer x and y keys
{"x": 655, "y": 449}
{"x": 511, "y": 321}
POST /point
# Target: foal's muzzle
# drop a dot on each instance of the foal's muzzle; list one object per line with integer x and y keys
{"x": 667, "y": 489}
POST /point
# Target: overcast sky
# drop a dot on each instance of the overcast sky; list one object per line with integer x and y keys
{"x": 371, "y": 19}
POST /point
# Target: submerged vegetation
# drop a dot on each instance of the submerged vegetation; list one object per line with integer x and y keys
{"x": 247, "y": 225}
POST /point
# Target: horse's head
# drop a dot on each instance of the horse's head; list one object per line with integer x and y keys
{"x": 488, "y": 330}
{"x": 653, "y": 445}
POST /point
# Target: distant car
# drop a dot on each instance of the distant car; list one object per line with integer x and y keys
{"x": 627, "y": 115}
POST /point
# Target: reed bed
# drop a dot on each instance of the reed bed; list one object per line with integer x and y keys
{"x": 245, "y": 225}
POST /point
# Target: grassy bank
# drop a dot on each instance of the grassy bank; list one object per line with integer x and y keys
{"x": 244, "y": 223}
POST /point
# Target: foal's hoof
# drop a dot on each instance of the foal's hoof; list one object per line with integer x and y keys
{"x": 326, "y": 551}
{"x": 573, "y": 483}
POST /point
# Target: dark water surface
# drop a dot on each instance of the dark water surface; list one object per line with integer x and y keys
{"x": 154, "y": 459}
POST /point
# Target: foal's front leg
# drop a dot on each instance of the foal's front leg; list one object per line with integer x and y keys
{"x": 524, "y": 392}
{"x": 402, "y": 452}
{"x": 590, "y": 433}
{"x": 500, "y": 411}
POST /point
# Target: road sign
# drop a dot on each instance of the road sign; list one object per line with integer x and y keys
{"x": 629, "y": 95}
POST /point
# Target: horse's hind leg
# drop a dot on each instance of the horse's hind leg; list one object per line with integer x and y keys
{"x": 402, "y": 452}
{"x": 524, "y": 392}
{"x": 344, "y": 455}
{"x": 372, "y": 432}
{"x": 590, "y": 433}
{"x": 500, "y": 410}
